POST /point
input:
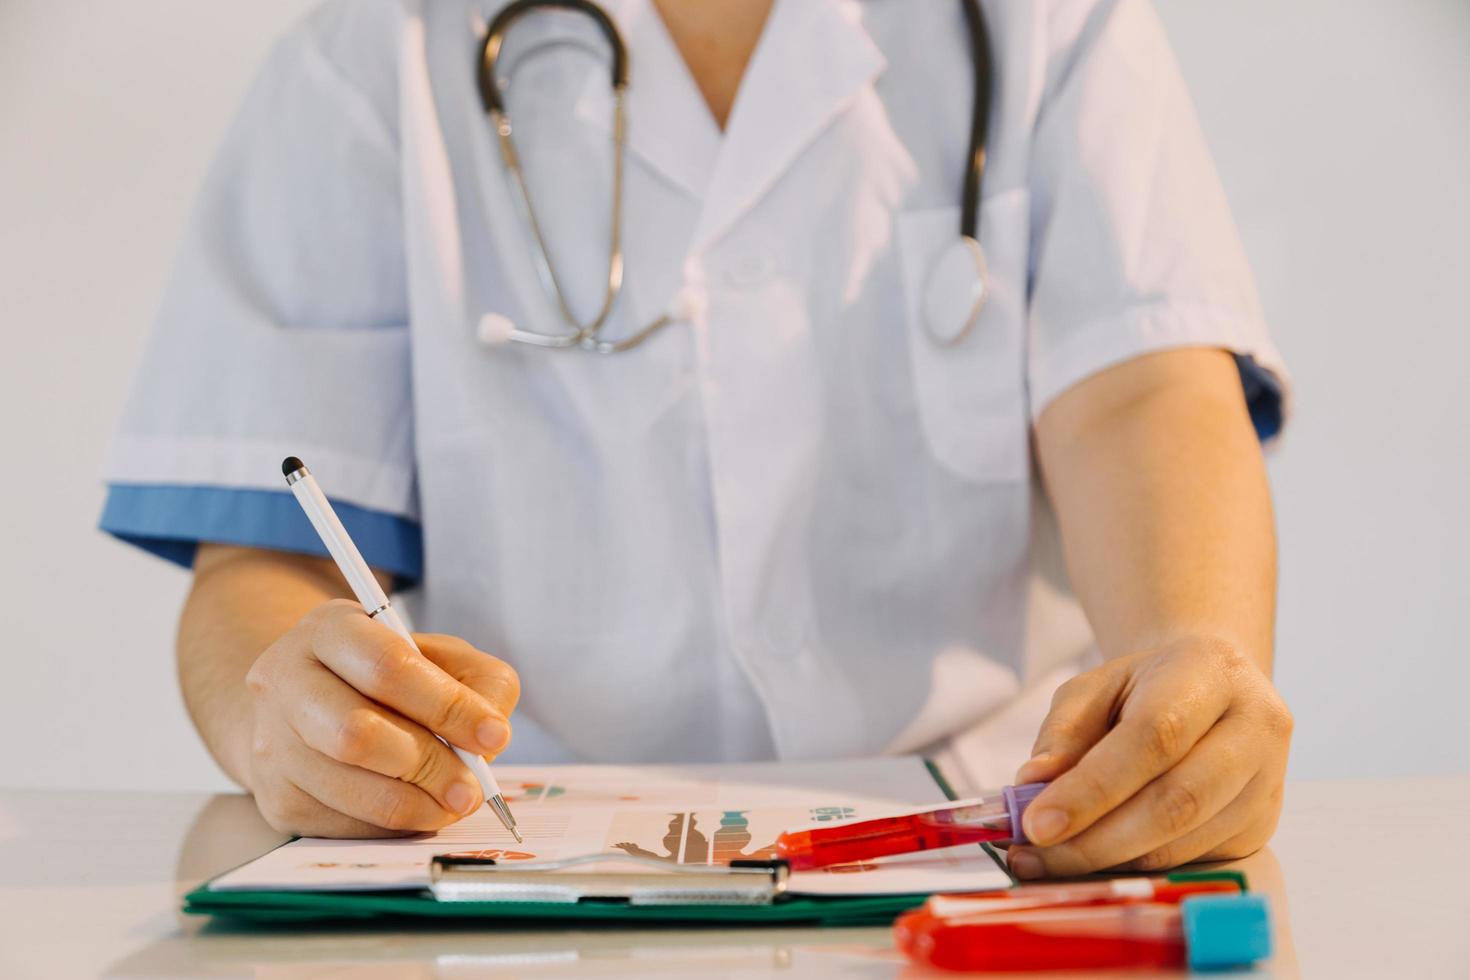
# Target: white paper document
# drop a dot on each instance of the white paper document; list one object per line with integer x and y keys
{"x": 691, "y": 815}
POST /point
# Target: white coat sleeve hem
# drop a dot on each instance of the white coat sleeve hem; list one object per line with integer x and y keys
{"x": 1151, "y": 329}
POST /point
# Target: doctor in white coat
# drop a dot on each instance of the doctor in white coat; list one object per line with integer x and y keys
{"x": 791, "y": 523}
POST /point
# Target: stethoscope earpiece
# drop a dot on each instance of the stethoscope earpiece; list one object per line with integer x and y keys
{"x": 494, "y": 330}
{"x": 955, "y": 291}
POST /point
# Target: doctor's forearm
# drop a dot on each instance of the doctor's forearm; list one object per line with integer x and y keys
{"x": 242, "y": 601}
{"x": 1161, "y": 495}
{"x": 1175, "y": 749}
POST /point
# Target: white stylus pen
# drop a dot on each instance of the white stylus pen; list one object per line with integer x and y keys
{"x": 375, "y": 603}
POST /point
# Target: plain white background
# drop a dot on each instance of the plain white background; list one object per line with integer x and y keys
{"x": 1344, "y": 145}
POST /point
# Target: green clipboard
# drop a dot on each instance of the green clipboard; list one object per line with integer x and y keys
{"x": 325, "y": 906}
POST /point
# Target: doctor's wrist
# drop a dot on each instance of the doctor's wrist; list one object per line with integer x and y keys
{"x": 1211, "y": 639}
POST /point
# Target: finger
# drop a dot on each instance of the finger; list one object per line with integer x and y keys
{"x": 1239, "y": 830}
{"x": 1219, "y": 839}
{"x": 1164, "y": 716}
{"x": 341, "y": 724}
{"x": 386, "y": 668}
{"x": 1081, "y": 713}
{"x": 382, "y": 802}
{"x": 495, "y": 679}
{"x": 291, "y": 810}
{"x": 1170, "y": 808}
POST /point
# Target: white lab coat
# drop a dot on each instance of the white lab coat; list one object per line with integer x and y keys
{"x": 790, "y": 525}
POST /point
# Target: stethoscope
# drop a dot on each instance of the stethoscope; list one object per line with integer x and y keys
{"x": 954, "y": 293}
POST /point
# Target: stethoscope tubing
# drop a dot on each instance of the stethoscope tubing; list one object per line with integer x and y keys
{"x": 979, "y": 119}
{"x": 503, "y": 21}
{"x": 587, "y": 336}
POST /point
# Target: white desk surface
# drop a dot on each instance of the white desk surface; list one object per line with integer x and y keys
{"x": 1366, "y": 878}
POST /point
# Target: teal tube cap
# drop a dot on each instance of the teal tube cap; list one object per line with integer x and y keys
{"x": 1222, "y": 931}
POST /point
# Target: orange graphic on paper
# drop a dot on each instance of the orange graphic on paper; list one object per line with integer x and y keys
{"x": 494, "y": 854}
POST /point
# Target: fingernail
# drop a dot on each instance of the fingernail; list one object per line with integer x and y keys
{"x": 1044, "y": 826}
{"x": 493, "y": 735}
{"x": 1024, "y": 864}
{"x": 461, "y": 798}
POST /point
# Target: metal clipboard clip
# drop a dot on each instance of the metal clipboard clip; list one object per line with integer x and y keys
{"x": 647, "y": 881}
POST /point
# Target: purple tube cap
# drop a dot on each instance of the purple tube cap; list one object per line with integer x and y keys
{"x": 1017, "y": 799}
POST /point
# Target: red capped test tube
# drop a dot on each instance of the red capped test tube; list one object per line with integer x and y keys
{"x": 1200, "y": 921}
{"x": 994, "y": 818}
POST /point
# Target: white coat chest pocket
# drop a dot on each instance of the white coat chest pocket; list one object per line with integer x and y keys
{"x": 971, "y": 395}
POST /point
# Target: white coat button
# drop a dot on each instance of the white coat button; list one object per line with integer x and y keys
{"x": 750, "y": 269}
{"x": 690, "y": 305}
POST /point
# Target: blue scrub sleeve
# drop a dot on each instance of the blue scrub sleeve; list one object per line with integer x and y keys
{"x": 171, "y": 521}
{"x": 1263, "y": 397}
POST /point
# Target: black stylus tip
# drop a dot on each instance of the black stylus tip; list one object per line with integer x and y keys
{"x": 291, "y": 464}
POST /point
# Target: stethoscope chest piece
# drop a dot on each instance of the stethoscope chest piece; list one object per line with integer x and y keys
{"x": 955, "y": 293}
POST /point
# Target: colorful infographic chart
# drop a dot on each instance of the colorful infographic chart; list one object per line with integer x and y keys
{"x": 711, "y": 836}
{"x": 687, "y": 815}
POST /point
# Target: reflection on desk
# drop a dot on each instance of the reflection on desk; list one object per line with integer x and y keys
{"x": 90, "y": 884}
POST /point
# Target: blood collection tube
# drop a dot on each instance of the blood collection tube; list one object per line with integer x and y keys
{"x": 1171, "y": 888}
{"x": 1202, "y": 920}
{"x": 992, "y": 818}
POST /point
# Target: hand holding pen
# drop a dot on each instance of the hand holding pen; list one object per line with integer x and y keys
{"x": 348, "y": 710}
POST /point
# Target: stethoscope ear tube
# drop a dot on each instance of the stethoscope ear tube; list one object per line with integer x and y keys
{"x": 583, "y": 335}
{"x": 959, "y": 283}
{"x": 511, "y": 12}
{"x": 979, "y": 119}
